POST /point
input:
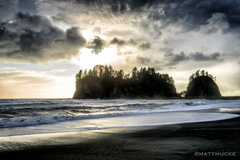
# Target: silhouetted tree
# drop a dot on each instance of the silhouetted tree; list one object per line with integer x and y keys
{"x": 182, "y": 94}
{"x": 105, "y": 82}
{"x": 202, "y": 86}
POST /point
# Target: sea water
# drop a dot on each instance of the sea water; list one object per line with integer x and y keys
{"x": 30, "y": 117}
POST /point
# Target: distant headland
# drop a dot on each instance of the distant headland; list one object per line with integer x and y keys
{"x": 104, "y": 82}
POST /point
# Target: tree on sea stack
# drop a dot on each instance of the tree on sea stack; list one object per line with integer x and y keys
{"x": 202, "y": 85}
{"x": 104, "y": 82}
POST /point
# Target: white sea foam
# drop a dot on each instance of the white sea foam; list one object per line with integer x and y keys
{"x": 70, "y": 132}
{"x": 39, "y": 112}
{"x": 117, "y": 122}
{"x": 25, "y": 123}
{"x": 23, "y": 113}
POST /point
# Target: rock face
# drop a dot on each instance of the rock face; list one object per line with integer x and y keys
{"x": 202, "y": 87}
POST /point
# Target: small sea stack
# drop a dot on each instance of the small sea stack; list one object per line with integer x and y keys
{"x": 202, "y": 85}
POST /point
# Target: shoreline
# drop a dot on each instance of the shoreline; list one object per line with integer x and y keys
{"x": 178, "y": 141}
{"x": 147, "y": 98}
{"x": 165, "y": 98}
{"x": 37, "y": 133}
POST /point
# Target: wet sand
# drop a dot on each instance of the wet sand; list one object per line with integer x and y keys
{"x": 203, "y": 140}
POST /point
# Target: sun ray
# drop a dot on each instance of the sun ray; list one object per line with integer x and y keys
{"x": 88, "y": 60}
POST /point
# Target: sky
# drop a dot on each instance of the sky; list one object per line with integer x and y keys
{"x": 43, "y": 43}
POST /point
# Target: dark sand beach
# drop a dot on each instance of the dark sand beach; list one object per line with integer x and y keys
{"x": 203, "y": 140}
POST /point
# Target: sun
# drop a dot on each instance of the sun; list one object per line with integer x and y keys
{"x": 87, "y": 59}
{"x": 88, "y": 34}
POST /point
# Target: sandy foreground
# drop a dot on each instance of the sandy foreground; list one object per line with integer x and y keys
{"x": 202, "y": 140}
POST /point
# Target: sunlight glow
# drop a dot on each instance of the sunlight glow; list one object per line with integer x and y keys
{"x": 88, "y": 60}
{"x": 88, "y": 34}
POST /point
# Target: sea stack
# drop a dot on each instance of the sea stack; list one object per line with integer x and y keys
{"x": 202, "y": 85}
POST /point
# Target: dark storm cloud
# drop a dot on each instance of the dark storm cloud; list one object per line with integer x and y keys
{"x": 117, "y": 41}
{"x": 33, "y": 38}
{"x": 96, "y": 44}
{"x": 125, "y": 5}
{"x": 143, "y": 60}
{"x": 120, "y": 42}
{"x": 177, "y": 57}
{"x": 198, "y": 56}
{"x": 33, "y": 32}
{"x": 74, "y": 36}
{"x": 194, "y": 12}
{"x": 145, "y": 46}
{"x": 32, "y": 42}
{"x": 35, "y": 23}
{"x": 120, "y": 5}
{"x": 197, "y": 13}
{"x": 3, "y": 32}
{"x": 27, "y": 6}
{"x": 174, "y": 59}
{"x": 7, "y": 9}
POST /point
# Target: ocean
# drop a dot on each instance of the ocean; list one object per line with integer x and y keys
{"x": 31, "y": 117}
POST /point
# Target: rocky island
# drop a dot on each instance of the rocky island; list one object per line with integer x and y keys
{"x": 104, "y": 82}
{"x": 202, "y": 85}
